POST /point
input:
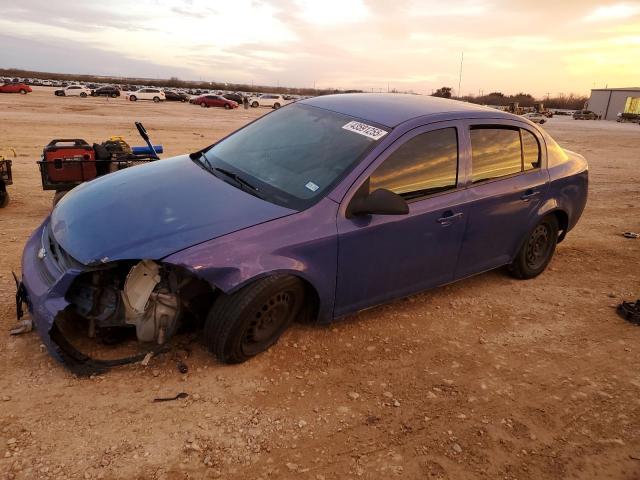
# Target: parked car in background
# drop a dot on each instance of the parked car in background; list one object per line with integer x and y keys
{"x": 107, "y": 91}
{"x": 267, "y": 100}
{"x": 207, "y": 101}
{"x": 324, "y": 208}
{"x": 535, "y": 117}
{"x": 172, "y": 96}
{"x": 235, "y": 97}
{"x": 47, "y": 83}
{"x": 73, "y": 91}
{"x": 15, "y": 88}
{"x": 585, "y": 115}
{"x": 154, "y": 94}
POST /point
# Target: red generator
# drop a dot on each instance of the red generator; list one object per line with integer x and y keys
{"x": 67, "y": 162}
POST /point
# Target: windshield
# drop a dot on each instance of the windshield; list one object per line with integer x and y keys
{"x": 295, "y": 154}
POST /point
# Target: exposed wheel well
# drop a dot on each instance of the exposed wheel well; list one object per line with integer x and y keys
{"x": 312, "y": 303}
{"x": 563, "y": 223}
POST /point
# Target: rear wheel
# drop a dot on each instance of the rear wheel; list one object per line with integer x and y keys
{"x": 156, "y": 99}
{"x": 246, "y": 323}
{"x": 537, "y": 250}
{"x": 83, "y": 94}
{"x": 113, "y": 95}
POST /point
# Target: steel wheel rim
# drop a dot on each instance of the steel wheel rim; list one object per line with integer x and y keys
{"x": 267, "y": 321}
{"x": 538, "y": 247}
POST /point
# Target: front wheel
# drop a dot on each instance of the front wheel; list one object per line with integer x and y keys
{"x": 203, "y": 105}
{"x": 227, "y": 106}
{"x": 133, "y": 98}
{"x": 113, "y": 95}
{"x": 249, "y": 321}
{"x": 83, "y": 94}
{"x": 276, "y": 106}
{"x": 156, "y": 99}
{"x": 23, "y": 91}
{"x": 254, "y": 104}
{"x": 537, "y": 250}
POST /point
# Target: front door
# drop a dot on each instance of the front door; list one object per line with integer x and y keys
{"x": 382, "y": 257}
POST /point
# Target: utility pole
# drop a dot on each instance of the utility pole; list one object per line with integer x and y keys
{"x": 460, "y": 77}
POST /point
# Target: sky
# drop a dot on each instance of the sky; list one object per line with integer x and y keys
{"x": 540, "y": 47}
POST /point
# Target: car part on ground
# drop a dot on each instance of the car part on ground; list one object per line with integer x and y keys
{"x": 630, "y": 311}
{"x": 6, "y": 176}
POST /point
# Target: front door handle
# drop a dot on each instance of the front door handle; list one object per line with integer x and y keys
{"x": 448, "y": 217}
{"x": 529, "y": 194}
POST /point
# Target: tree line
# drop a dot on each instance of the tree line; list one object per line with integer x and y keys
{"x": 569, "y": 102}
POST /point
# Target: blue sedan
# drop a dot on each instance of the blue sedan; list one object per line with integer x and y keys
{"x": 314, "y": 211}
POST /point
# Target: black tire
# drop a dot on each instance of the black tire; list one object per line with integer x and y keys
{"x": 248, "y": 322}
{"x": 536, "y": 250}
{"x": 156, "y": 99}
{"x": 255, "y": 104}
{"x": 114, "y": 95}
{"x": 23, "y": 91}
{"x": 276, "y": 106}
{"x": 133, "y": 98}
{"x": 83, "y": 94}
{"x": 58, "y": 196}
{"x": 4, "y": 197}
{"x": 227, "y": 106}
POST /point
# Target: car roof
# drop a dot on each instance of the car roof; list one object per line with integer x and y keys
{"x": 392, "y": 109}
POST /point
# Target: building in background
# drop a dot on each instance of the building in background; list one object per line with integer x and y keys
{"x": 609, "y": 102}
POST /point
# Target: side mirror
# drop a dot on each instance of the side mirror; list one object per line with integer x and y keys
{"x": 379, "y": 202}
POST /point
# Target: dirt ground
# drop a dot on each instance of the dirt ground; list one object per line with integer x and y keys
{"x": 487, "y": 378}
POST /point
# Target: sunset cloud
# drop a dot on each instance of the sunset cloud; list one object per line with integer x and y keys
{"x": 509, "y": 45}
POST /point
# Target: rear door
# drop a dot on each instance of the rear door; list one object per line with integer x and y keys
{"x": 386, "y": 256}
{"x": 506, "y": 186}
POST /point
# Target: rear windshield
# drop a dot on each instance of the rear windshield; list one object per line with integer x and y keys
{"x": 296, "y": 154}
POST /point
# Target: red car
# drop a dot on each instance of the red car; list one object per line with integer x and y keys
{"x": 206, "y": 101}
{"x": 15, "y": 88}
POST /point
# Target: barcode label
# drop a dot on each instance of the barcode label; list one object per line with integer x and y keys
{"x": 366, "y": 130}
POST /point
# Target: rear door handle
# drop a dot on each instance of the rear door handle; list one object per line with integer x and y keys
{"x": 529, "y": 194}
{"x": 448, "y": 217}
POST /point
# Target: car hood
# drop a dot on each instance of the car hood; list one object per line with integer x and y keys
{"x": 153, "y": 210}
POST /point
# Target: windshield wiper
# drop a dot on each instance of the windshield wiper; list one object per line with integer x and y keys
{"x": 236, "y": 177}
{"x": 200, "y": 155}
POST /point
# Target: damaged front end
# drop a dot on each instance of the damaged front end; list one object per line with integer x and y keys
{"x": 109, "y": 302}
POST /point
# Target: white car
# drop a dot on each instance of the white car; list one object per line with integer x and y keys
{"x": 267, "y": 100}
{"x": 73, "y": 91}
{"x": 154, "y": 94}
{"x": 535, "y": 117}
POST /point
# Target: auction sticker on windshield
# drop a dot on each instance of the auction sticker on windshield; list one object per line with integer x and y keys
{"x": 366, "y": 130}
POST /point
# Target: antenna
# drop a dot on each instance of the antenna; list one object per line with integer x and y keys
{"x": 460, "y": 77}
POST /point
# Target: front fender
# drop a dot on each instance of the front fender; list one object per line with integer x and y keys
{"x": 304, "y": 244}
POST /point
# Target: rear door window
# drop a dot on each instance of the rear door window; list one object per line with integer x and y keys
{"x": 498, "y": 151}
